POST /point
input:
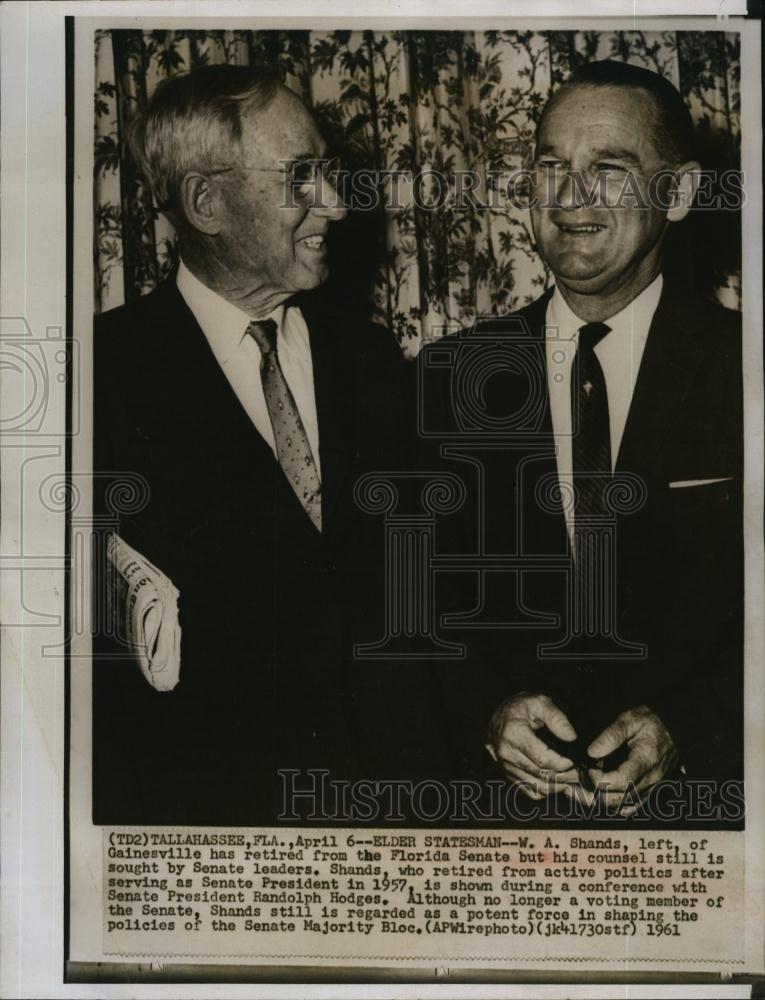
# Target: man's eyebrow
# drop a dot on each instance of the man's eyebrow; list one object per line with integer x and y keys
{"x": 604, "y": 153}
{"x": 305, "y": 157}
{"x": 611, "y": 153}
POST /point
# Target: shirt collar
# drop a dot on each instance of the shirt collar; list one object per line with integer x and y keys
{"x": 633, "y": 321}
{"x": 221, "y": 321}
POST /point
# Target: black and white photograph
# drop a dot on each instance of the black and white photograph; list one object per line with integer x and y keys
{"x": 486, "y": 286}
{"x": 382, "y": 458}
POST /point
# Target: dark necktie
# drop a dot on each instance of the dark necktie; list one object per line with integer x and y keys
{"x": 292, "y": 447}
{"x": 591, "y": 443}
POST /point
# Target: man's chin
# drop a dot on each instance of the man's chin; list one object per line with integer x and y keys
{"x": 310, "y": 278}
{"x": 585, "y": 281}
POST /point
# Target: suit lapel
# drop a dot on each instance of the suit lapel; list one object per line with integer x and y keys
{"x": 673, "y": 353}
{"x": 334, "y": 386}
{"x": 533, "y": 458}
{"x": 232, "y": 428}
{"x": 197, "y": 387}
{"x": 535, "y": 315}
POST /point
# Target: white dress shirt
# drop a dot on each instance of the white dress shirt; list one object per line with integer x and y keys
{"x": 619, "y": 353}
{"x": 225, "y": 325}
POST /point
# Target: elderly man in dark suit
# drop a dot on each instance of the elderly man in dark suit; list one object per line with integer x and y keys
{"x": 250, "y": 408}
{"x": 638, "y": 389}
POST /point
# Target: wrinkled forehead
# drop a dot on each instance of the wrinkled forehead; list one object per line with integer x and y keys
{"x": 283, "y": 130}
{"x": 596, "y": 118}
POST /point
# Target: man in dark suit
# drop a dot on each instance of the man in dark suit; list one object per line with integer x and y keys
{"x": 249, "y": 408}
{"x": 620, "y": 479}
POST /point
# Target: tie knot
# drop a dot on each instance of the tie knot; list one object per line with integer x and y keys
{"x": 591, "y": 334}
{"x": 263, "y": 333}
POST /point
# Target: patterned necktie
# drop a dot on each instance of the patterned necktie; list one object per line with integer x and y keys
{"x": 292, "y": 447}
{"x": 591, "y": 442}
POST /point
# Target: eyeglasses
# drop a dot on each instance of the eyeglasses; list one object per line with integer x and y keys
{"x": 302, "y": 173}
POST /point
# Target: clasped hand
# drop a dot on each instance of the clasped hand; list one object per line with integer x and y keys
{"x": 540, "y": 771}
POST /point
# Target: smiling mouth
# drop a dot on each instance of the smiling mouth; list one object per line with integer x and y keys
{"x": 313, "y": 242}
{"x": 580, "y": 229}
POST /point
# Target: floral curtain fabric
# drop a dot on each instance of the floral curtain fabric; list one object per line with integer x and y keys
{"x": 418, "y": 102}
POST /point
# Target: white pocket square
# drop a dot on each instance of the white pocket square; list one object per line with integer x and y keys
{"x": 680, "y": 484}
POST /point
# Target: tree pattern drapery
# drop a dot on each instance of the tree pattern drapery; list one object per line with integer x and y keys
{"x": 414, "y": 101}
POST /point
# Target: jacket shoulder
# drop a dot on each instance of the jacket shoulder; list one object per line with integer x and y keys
{"x": 524, "y": 322}
{"x": 140, "y": 336}
{"x": 717, "y": 328}
{"x": 140, "y": 315}
{"x": 361, "y": 337}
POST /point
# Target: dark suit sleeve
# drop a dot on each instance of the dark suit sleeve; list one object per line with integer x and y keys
{"x": 133, "y": 724}
{"x": 694, "y": 678}
{"x": 702, "y": 711}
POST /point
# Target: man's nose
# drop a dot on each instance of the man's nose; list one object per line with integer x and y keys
{"x": 581, "y": 189}
{"x": 568, "y": 194}
{"x": 329, "y": 203}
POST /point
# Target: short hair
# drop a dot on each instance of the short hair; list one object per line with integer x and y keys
{"x": 673, "y": 130}
{"x": 190, "y": 119}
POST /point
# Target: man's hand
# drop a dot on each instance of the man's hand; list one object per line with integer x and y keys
{"x": 651, "y": 755}
{"x": 523, "y": 756}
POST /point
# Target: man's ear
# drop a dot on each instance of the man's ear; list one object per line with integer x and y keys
{"x": 198, "y": 203}
{"x": 683, "y": 190}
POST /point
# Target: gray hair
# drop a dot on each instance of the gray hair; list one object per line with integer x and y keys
{"x": 190, "y": 121}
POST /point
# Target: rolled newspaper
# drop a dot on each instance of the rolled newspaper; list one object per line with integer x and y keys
{"x": 149, "y": 609}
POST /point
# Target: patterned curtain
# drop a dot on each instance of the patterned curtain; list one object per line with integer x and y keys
{"x": 418, "y": 101}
